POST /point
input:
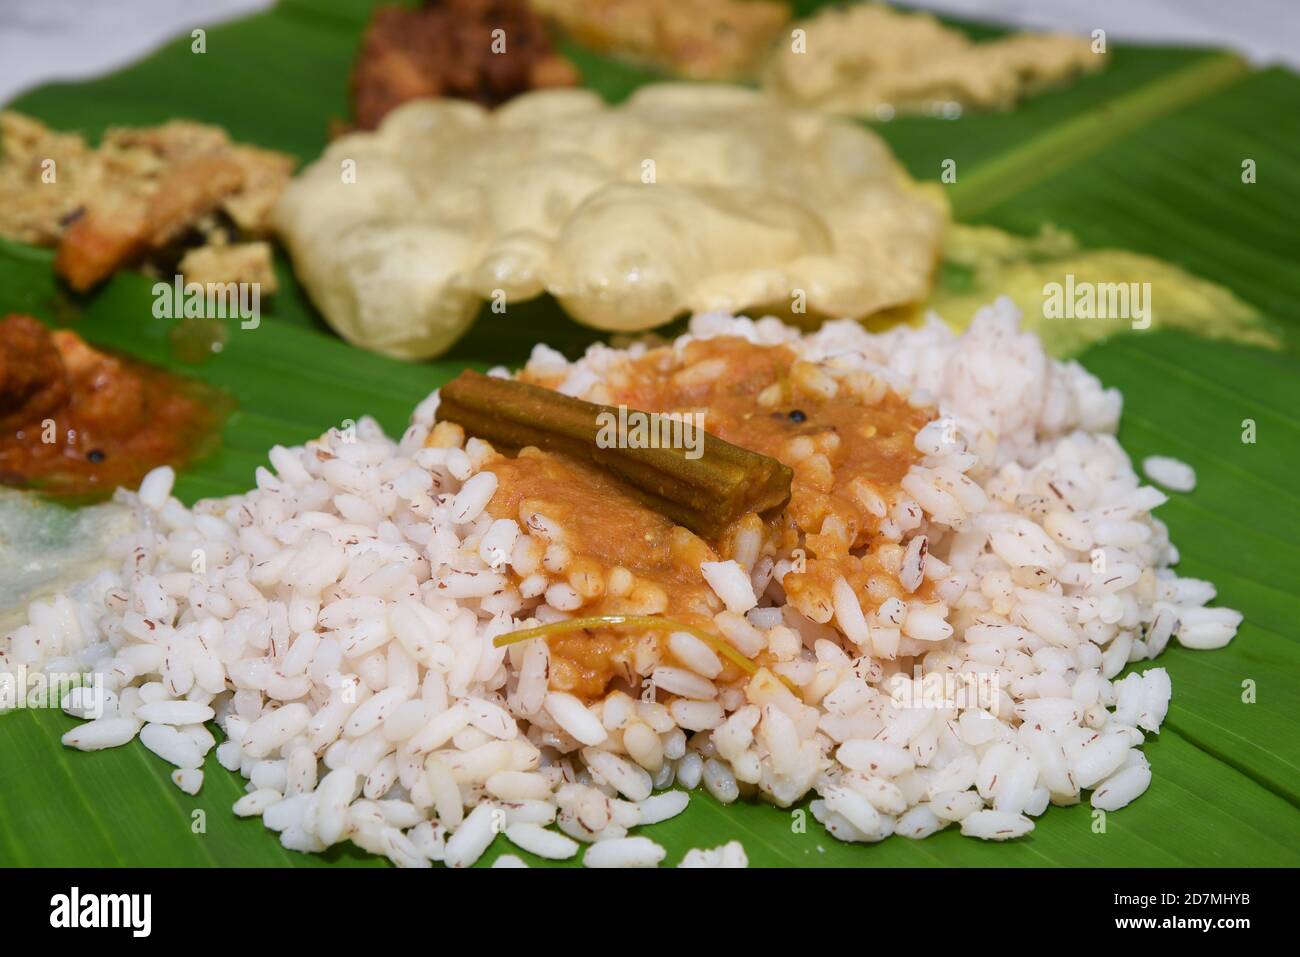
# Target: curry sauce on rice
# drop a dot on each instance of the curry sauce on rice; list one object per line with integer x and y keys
{"x": 492, "y": 620}
{"x": 849, "y": 442}
{"x": 615, "y": 555}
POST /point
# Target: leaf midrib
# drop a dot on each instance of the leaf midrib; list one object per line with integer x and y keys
{"x": 1047, "y": 153}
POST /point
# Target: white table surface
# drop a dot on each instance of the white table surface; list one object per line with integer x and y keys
{"x": 43, "y": 40}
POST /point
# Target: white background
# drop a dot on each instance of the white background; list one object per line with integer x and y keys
{"x": 42, "y": 40}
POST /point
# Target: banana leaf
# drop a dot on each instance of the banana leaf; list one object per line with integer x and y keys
{"x": 1145, "y": 156}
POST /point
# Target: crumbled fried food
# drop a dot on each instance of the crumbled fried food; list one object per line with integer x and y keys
{"x": 697, "y": 39}
{"x": 266, "y": 173}
{"x": 239, "y": 262}
{"x": 451, "y": 48}
{"x": 32, "y": 160}
{"x": 140, "y": 192}
{"x": 863, "y": 59}
{"x": 102, "y": 240}
{"x": 188, "y": 192}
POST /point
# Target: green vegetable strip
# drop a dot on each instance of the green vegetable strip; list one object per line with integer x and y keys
{"x": 704, "y": 494}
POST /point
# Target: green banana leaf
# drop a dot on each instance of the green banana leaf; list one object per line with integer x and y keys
{"x": 1145, "y": 155}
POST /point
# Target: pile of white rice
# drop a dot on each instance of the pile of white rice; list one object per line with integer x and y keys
{"x": 337, "y": 623}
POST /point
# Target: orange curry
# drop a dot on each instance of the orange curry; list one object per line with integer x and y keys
{"x": 849, "y": 441}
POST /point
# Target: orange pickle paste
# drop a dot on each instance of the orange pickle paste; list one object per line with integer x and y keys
{"x": 77, "y": 422}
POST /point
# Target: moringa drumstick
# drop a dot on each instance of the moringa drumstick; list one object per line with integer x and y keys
{"x": 704, "y": 494}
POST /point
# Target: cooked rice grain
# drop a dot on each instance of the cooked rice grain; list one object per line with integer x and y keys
{"x": 341, "y": 634}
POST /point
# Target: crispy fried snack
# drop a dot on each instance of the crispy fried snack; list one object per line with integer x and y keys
{"x": 686, "y": 197}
